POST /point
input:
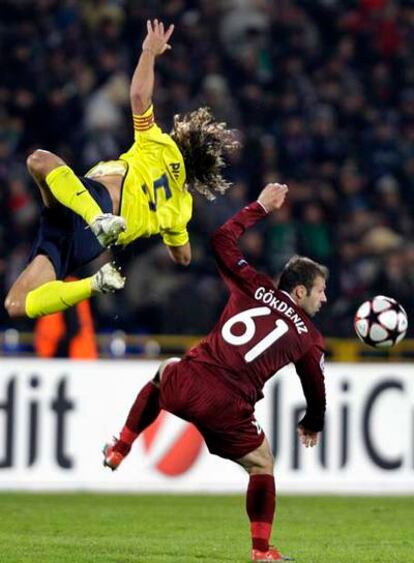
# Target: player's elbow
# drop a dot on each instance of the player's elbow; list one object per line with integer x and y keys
{"x": 183, "y": 260}
{"x": 181, "y": 255}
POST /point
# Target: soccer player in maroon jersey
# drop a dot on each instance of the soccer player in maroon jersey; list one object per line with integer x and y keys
{"x": 217, "y": 383}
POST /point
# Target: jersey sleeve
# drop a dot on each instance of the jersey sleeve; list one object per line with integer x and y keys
{"x": 310, "y": 369}
{"x": 178, "y": 237}
{"x": 175, "y": 218}
{"x": 145, "y": 128}
{"x": 234, "y": 269}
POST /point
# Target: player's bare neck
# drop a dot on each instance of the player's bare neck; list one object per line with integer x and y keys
{"x": 290, "y": 296}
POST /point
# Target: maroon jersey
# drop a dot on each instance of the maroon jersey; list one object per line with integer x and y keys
{"x": 261, "y": 328}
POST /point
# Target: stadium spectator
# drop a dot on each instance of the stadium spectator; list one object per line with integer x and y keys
{"x": 219, "y": 381}
{"x": 281, "y": 237}
{"x": 316, "y": 239}
{"x": 152, "y": 279}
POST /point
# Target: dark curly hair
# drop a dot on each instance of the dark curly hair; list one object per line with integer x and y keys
{"x": 203, "y": 142}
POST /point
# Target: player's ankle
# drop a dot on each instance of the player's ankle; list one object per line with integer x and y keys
{"x": 91, "y": 220}
{"x": 107, "y": 228}
{"x": 127, "y": 436}
{"x": 107, "y": 279}
{"x": 95, "y": 288}
{"x": 122, "y": 447}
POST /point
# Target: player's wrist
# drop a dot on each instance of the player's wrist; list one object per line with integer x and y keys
{"x": 149, "y": 51}
{"x": 263, "y": 206}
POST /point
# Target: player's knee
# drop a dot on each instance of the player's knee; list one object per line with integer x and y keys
{"x": 35, "y": 161}
{"x": 262, "y": 466}
{"x": 13, "y": 307}
{"x": 259, "y": 461}
{"x": 185, "y": 261}
{"x": 41, "y": 162}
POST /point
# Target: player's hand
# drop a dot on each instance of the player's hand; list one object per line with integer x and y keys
{"x": 157, "y": 38}
{"x": 307, "y": 437}
{"x": 273, "y": 196}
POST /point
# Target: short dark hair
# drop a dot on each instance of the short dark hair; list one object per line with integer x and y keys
{"x": 301, "y": 271}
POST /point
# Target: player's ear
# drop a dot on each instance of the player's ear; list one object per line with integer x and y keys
{"x": 300, "y": 292}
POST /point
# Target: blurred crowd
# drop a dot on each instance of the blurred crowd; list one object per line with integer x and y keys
{"x": 321, "y": 94}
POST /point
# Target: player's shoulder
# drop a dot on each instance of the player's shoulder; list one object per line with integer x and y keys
{"x": 315, "y": 335}
{"x": 313, "y": 345}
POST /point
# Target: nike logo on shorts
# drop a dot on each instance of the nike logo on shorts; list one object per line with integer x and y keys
{"x": 81, "y": 192}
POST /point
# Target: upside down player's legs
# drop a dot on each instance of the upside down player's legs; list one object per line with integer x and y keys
{"x": 38, "y": 173}
{"x": 38, "y": 272}
{"x": 51, "y": 172}
{"x": 61, "y": 246}
{"x": 36, "y": 292}
{"x": 56, "y": 296}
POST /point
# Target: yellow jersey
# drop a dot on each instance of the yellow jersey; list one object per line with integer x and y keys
{"x": 154, "y": 198}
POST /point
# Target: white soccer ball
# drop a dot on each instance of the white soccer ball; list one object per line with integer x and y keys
{"x": 381, "y": 322}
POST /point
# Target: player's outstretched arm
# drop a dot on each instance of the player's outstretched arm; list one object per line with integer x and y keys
{"x": 273, "y": 196}
{"x": 233, "y": 267}
{"x": 142, "y": 84}
{"x": 225, "y": 238}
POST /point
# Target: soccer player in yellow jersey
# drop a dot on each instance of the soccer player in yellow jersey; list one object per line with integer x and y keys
{"x": 142, "y": 193}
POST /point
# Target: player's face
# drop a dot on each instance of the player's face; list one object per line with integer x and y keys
{"x": 313, "y": 302}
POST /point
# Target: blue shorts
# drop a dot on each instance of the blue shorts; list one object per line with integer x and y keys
{"x": 65, "y": 238}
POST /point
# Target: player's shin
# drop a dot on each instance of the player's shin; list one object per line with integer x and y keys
{"x": 55, "y": 296}
{"x": 70, "y": 192}
{"x": 143, "y": 412}
{"x": 260, "y": 507}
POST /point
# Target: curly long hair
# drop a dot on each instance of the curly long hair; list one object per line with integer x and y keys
{"x": 203, "y": 142}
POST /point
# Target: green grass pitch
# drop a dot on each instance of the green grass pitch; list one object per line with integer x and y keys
{"x": 63, "y": 528}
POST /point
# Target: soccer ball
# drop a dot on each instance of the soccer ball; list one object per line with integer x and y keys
{"x": 381, "y": 322}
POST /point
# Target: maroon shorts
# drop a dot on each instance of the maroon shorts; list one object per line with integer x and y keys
{"x": 192, "y": 391}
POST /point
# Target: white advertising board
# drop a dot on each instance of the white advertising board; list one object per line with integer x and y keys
{"x": 56, "y": 415}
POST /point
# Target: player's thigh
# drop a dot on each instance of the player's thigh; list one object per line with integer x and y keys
{"x": 38, "y": 272}
{"x": 259, "y": 460}
{"x": 232, "y": 432}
